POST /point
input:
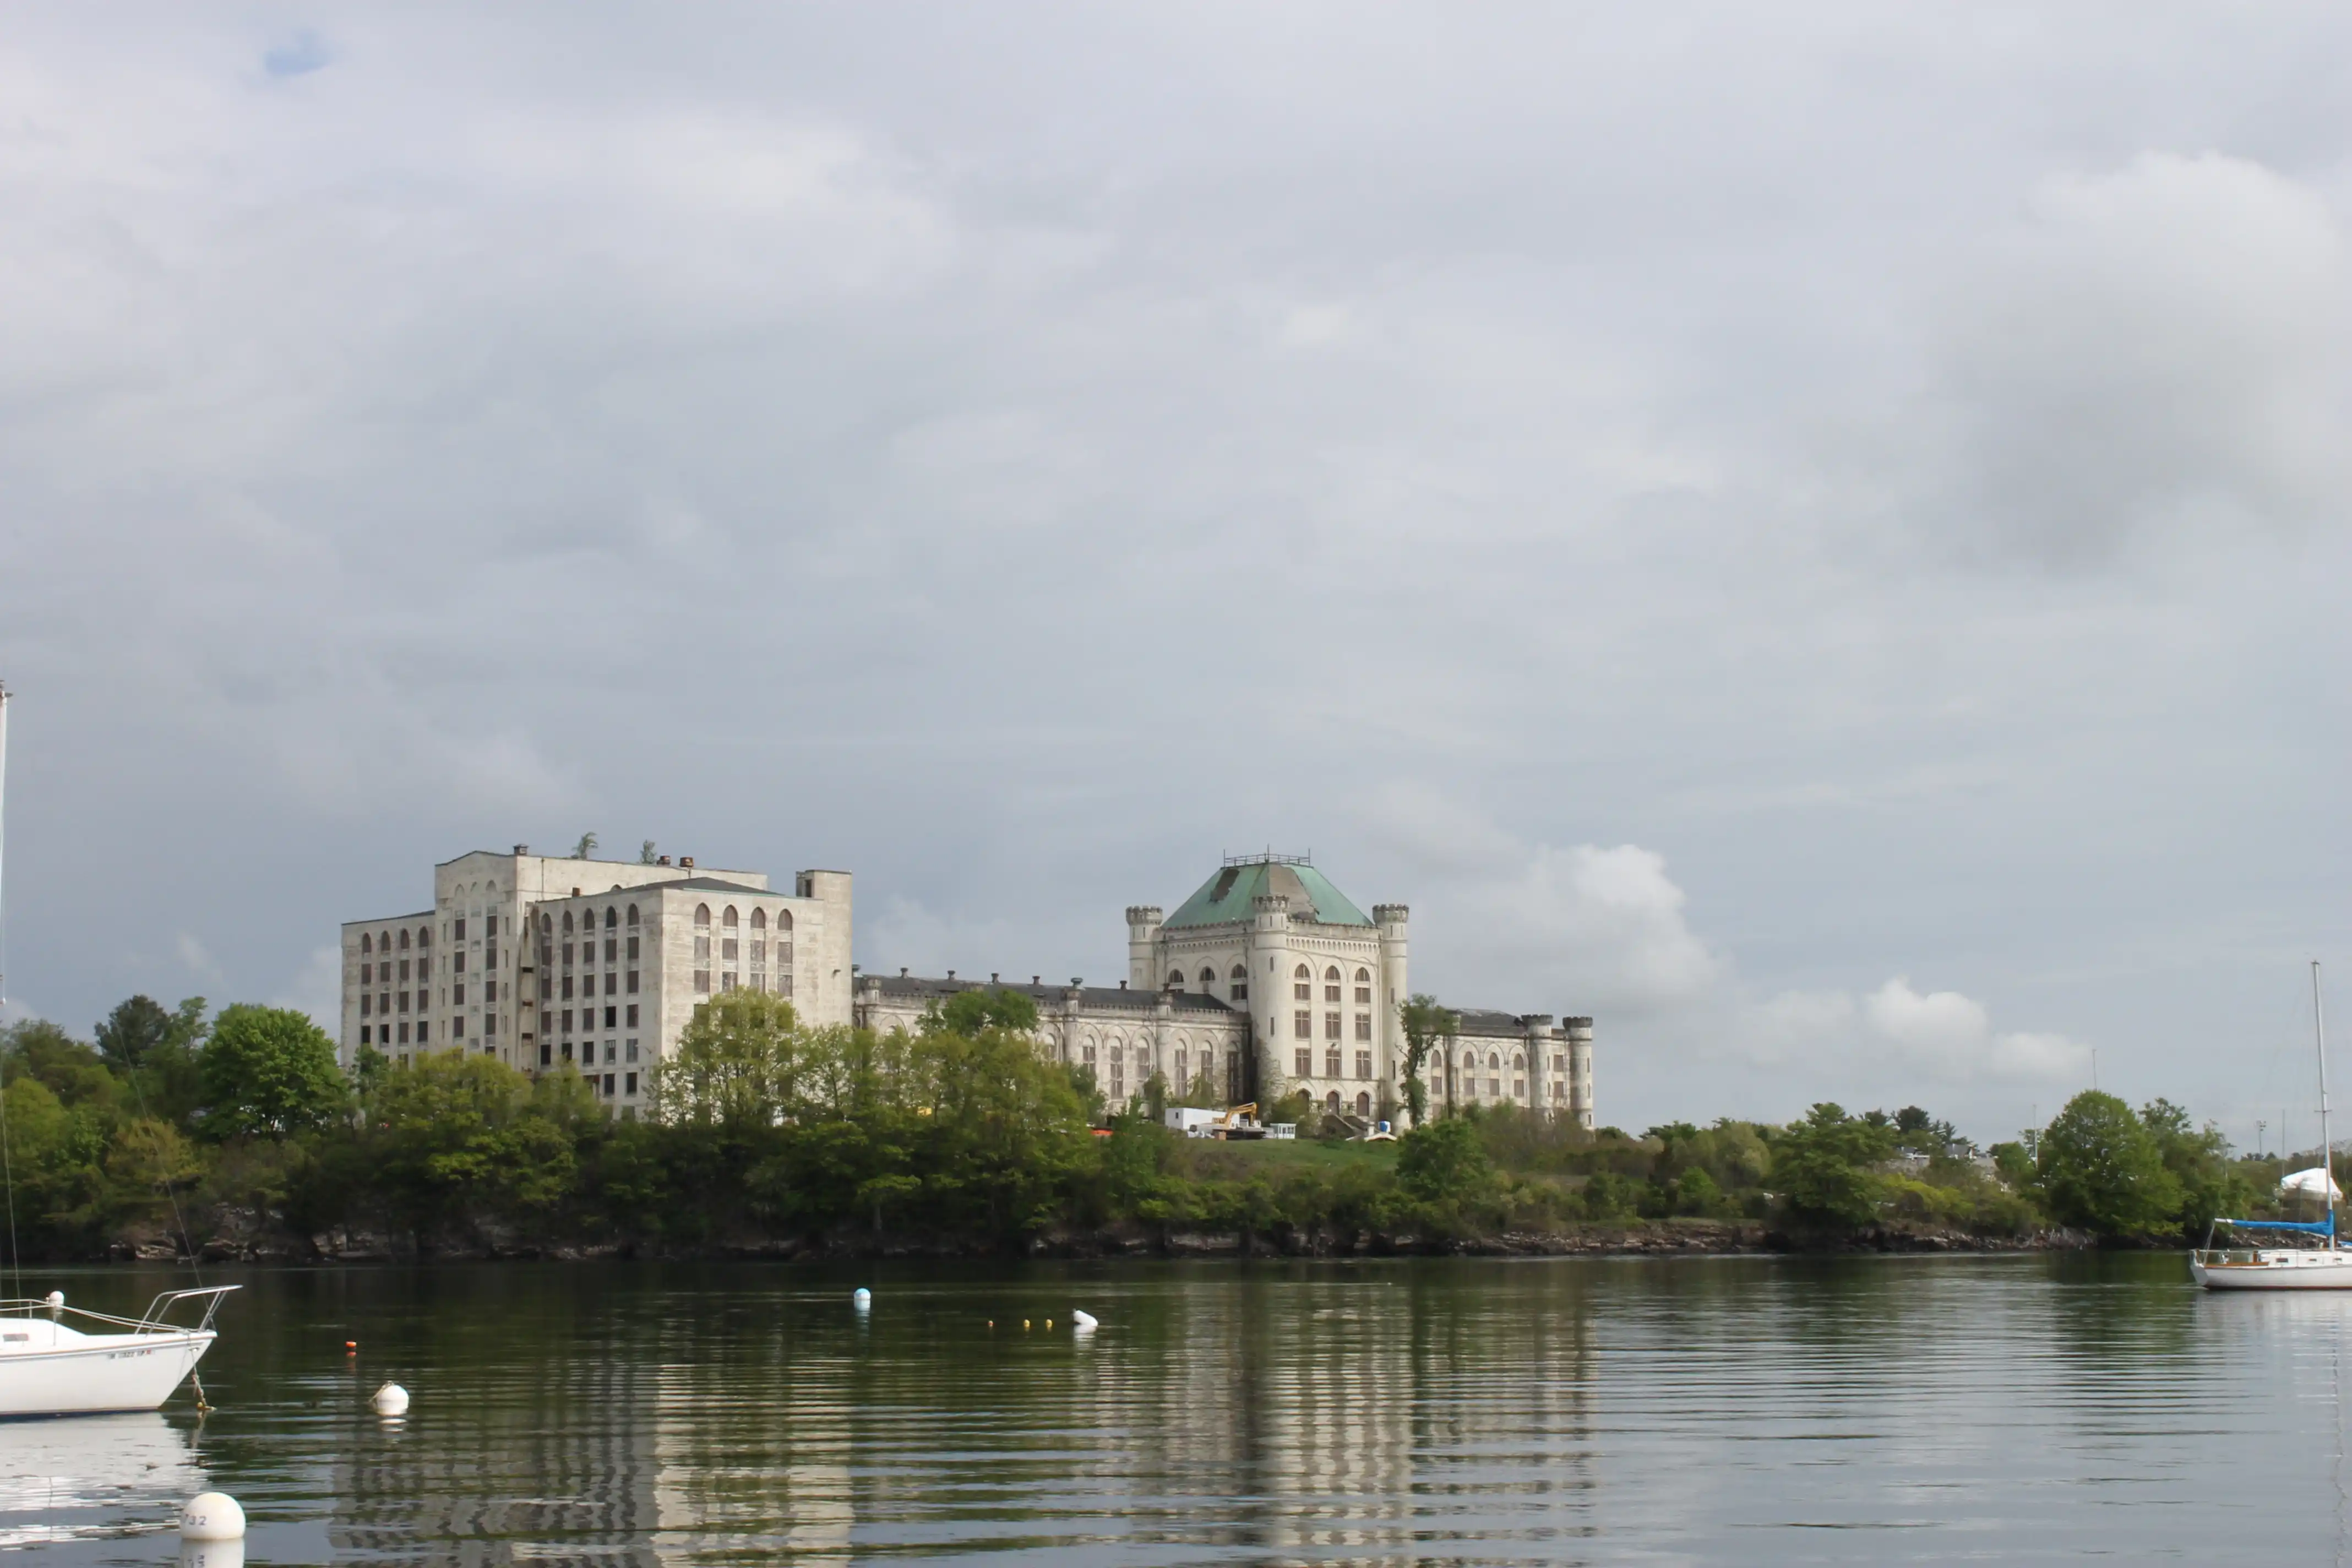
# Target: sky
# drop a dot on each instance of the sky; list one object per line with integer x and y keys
{"x": 1812, "y": 534}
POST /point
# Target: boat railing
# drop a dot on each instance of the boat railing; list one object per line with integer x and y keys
{"x": 156, "y": 1320}
{"x": 2226, "y": 1257}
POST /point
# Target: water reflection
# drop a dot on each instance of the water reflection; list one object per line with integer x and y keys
{"x": 1737, "y": 1410}
{"x": 62, "y": 1480}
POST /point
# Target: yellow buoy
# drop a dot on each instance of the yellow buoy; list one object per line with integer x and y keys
{"x": 1024, "y": 1323}
{"x": 1049, "y": 1322}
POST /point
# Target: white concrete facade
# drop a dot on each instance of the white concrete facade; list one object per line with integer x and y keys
{"x": 505, "y": 963}
{"x": 1269, "y": 981}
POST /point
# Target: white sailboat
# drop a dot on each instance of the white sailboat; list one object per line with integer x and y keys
{"x": 101, "y": 1364}
{"x": 2325, "y": 1268}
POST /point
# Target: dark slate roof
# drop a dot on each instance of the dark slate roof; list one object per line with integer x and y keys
{"x": 1485, "y": 1021}
{"x": 923, "y": 990}
{"x": 679, "y": 885}
{"x": 1226, "y": 896}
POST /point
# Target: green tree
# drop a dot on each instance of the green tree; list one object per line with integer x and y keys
{"x": 268, "y": 1070}
{"x": 645, "y": 856}
{"x": 458, "y": 1137}
{"x": 137, "y": 1025}
{"x": 1444, "y": 1162}
{"x": 1426, "y": 1023}
{"x": 1826, "y": 1167}
{"x": 585, "y": 847}
{"x": 970, "y": 1012}
{"x": 2199, "y": 1159}
{"x": 2100, "y": 1168}
{"x": 735, "y": 1065}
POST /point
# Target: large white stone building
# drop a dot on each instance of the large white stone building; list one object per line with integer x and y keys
{"x": 1269, "y": 980}
{"x": 541, "y": 960}
{"x": 1266, "y": 981}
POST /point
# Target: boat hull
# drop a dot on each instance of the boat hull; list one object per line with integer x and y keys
{"x": 99, "y": 1376}
{"x": 2333, "y": 1274}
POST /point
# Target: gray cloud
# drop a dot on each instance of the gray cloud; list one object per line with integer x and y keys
{"x": 1709, "y": 510}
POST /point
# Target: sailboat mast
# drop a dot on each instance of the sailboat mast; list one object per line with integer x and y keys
{"x": 4, "y": 840}
{"x": 2327, "y": 1154}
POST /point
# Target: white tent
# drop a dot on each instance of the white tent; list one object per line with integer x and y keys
{"x": 2315, "y": 1182}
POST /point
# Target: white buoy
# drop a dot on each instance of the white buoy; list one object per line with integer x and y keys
{"x": 390, "y": 1400}
{"x": 211, "y": 1554}
{"x": 56, "y": 1300}
{"x": 1080, "y": 1320}
{"x": 212, "y": 1516}
{"x": 864, "y": 1298}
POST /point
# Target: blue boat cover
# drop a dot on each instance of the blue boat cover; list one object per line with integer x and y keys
{"x": 2314, "y": 1226}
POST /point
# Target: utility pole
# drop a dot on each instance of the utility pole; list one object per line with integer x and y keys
{"x": 2094, "y": 1069}
{"x": 2259, "y": 1128}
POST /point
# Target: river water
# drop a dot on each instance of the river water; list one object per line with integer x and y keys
{"x": 1756, "y": 1411}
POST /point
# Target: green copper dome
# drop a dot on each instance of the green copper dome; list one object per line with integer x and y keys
{"x": 1226, "y": 897}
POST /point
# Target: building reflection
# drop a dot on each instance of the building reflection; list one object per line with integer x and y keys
{"x": 1342, "y": 1413}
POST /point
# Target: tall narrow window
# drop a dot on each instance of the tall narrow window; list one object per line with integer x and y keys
{"x": 1302, "y": 1024}
{"x": 1302, "y": 1061}
{"x": 1331, "y": 1063}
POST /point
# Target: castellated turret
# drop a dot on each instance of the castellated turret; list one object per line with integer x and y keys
{"x": 1580, "y": 1069}
{"x": 1143, "y": 931}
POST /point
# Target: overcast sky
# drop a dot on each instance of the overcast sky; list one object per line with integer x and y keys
{"x": 1815, "y": 534}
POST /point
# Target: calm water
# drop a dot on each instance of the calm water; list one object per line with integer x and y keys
{"x": 1750, "y": 1411}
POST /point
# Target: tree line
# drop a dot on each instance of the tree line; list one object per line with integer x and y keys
{"x": 761, "y": 1127}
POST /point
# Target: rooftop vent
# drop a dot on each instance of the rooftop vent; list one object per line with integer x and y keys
{"x": 902, "y": 972}
{"x": 951, "y": 974}
{"x": 523, "y": 848}
{"x": 663, "y": 861}
{"x": 687, "y": 861}
{"x": 1037, "y": 980}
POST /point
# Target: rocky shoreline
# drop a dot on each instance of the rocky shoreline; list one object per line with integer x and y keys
{"x": 247, "y": 1239}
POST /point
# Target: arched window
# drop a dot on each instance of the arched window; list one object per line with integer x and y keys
{"x": 404, "y": 939}
{"x": 1176, "y": 979}
{"x": 632, "y": 914}
{"x": 1363, "y": 976}
{"x": 611, "y": 918}
{"x": 1332, "y": 973}
{"x": 1364, "y": 1104}
{"x": 1494, "y": 1061}
{"x": 567, "y": 923}
{"x": 1208, "y": 978}
{"x": 702, "y": 914}
{"x": 1302, "y": 972}
{"x": 783, "y": 920}
{"x": 546, "y": 923}
{"x": 1518, "y": 1061}
{"x": 728, "y": 920}
{"x": 1331, "y": 1103}
{"x": 759, "y": 920}
{"x": 425, "y": 936}
{"x": 1241, "y": 971}
{"x": 364, "y": 946}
